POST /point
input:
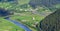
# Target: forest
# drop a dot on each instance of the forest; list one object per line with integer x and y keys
{"x": 28, "y": 12}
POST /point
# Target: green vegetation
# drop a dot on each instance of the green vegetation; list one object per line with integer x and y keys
{"x": 27, "y": 18}
{"x": 21, "y": 2}
{"x": 8, "y": 26}
{"x": 50, "y": 22}
{"x": 30, "y": 20}
{"x": 23, "y": 13}
{"x": 57, "y": 6}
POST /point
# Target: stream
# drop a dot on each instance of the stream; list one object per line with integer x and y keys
{"x": 19, "y": 24}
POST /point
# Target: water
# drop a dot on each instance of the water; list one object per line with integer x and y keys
{"x": 19, "y": 24}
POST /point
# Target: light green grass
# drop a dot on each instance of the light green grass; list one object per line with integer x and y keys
{"x": 21, "y": 2}
{"x": 8, "y": 26}
{"x": 27, "y": 19}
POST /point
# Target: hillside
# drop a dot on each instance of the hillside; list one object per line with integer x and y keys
{"x": 24, "y": 12}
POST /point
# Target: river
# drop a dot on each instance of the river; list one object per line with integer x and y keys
{"x": 19, "y": 24}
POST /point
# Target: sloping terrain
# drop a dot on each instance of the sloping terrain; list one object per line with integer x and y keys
{"x": 8, "y": 26}
{"x": 24, "y": 13}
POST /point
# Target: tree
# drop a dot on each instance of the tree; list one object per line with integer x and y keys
{"x": 4, "y": 12}
{"x": 50, "y": 22}
{"x": 46, "y": 3}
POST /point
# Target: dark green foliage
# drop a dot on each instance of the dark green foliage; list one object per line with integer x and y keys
{"x": 46, "y": 3}
{"x": 24, "y": 6}
{"x": 7, "y": 0}
{"x": 51, "y": 22}
{"x": 4, "y": 12}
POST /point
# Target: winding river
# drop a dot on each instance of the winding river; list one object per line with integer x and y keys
{"x": 19, "y": 24}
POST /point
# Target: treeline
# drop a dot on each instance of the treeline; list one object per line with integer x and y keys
{"x": 4, "y": 12}
{"x": 47, "y": 3}
{"x": 50, "y": 22}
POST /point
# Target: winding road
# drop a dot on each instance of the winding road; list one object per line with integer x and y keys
{"x": 19, "y": 24}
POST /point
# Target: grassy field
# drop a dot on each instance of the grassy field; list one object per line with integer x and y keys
{"x": 8, "y": 26}
{"x": 21, "y": 2}
{"x": 29, "y": 19}
{"x": 22, "y": 13}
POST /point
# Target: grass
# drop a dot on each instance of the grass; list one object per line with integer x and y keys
{"x": 21, "y": 2}
{"x": 28, "y": 19}
{"x": 8, "y": 26}
{"x": 8, "y": 5}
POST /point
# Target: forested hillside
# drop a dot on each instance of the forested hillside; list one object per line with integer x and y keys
{"x": 27, "y": 12}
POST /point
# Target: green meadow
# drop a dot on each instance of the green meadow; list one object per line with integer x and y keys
{"x": 6, "y": 25}
{"x": 23, "y": 13}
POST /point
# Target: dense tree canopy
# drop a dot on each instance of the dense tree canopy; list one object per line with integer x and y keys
{"x": 4, "y": 12}
{"x": 51, "y": 22}
{"x": 47, "y": 3}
